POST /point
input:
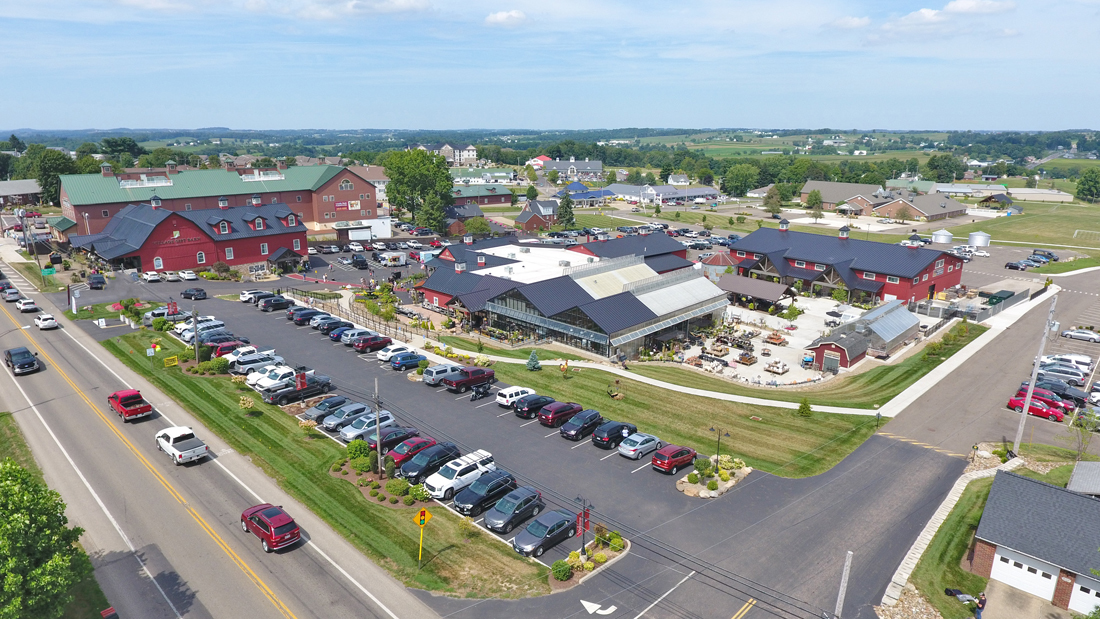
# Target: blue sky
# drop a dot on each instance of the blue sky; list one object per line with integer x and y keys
{"x": 562, "y": 64}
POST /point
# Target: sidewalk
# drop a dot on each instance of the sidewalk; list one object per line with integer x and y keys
{"x": 9, "y": 251}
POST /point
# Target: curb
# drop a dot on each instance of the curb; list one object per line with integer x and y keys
{"x": 626, "y": 551}
{"x": 916, "y": 551}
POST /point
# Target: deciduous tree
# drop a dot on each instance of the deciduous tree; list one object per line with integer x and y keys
{"x": 415, "y": 175}
{"x": 903, "y": 214}
{"x": 87, "y": 148}
{"x": 740, "y": 179}
{"x": 772, "y": 200}
{"x": 532, "y": 193}
{"x": 553, "y": 176}
{"x": 1088, "y": 186}
{"x": 432, "y": 213}
{"x": 51, "y": 164}
{"x": 813, "y": 200}
{"x": 532, "y": 176}
{"x": 477, "y": 225}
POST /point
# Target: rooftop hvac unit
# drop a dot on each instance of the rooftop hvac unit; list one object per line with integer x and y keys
{"x": 563, "y": 263}
{"x": 508, "y": 270}
{"x": 524, "y": 250}
{"x": 512, "y": 256}
{"x": 591, "y": 259}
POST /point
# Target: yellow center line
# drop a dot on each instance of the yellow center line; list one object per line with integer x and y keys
{"x": 163, "y": 481}
{"x": 746, "y": 608}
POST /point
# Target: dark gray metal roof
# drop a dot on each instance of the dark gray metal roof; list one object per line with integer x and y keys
{"x": 640, "y": 245}
{"x": 464, "y": 211}
{"x": 447, "y": 281}
{"x": 554, "y": 296}
{"x": 885, "y": 258}
{"x": 618, "y": 312}
{"x": 756, "y": 288}
{"x": 490, "y": 286}
{"x": 283, "y": 253}
{"x": 126, "y": 232}
{"x": 664, "y": 263}
{"x": 1046, "y": 522}
{"x": 853, "y": 343}
{"x": 239, "y": 218}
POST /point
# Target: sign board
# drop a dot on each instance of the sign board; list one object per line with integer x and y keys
{"x": 171, "y": 361}
{"x": 342, "y": 206}
{"x": 49, "y": 271}
{"x": 422, "y": 517}
{"x": 76, "y": 294}
{"x": 149, "y": 352}
{"x": 173, "y": 308}
{"x": 300, "y": 381}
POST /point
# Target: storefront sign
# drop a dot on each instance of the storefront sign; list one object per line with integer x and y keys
{"x": 341, "y": 206}
{"x": 178, "y": 241}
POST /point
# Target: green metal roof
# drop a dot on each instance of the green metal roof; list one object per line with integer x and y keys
{"x": 476, "y": 191}
{"x": 85, "y": 189}
{"x": 60, "y": 223}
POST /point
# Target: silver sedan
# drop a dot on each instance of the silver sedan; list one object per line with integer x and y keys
{"x": 1082, "y": 334}
{"x": 639, "y": 444}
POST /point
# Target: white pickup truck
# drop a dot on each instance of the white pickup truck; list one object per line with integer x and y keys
{"x": 181, "y": 445}
{"x": 279, "y": 377}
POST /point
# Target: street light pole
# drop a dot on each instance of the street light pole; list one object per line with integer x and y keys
{"x": 583, "y": 521}
{"x": 1047, "y": 327}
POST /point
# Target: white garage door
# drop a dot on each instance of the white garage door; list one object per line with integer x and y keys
{"x": 1025, "y": 573}
{"x": 1086, "y": 595}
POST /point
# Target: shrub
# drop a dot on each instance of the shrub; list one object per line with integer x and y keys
{"x": 358, "y": 449}
{"x": 246, "y": 403}
{"x": 205, "y": 352}
{"x": 561, "y": 570}
{"x": 724, "y": 476}
{"x": 467, "y": 526}
{"x": 616, "y": 541}
{"x": 712, "y": 485}
{"x": 693, "y": 478}
{"x": 394, "y": 500}
{"x": 375, "y": 485}
{"x": 804, "y": 409}
{"x": 343, "y": 471}
{"x": 703, "y": 465}
{"x": 336, "y": 466}
{"x": 574, "y": 556}
{"x": 418, "y": 493}
{"x": 307, "y": 426}
{"x": 600, "y": 533}
{"x": 218, "y": 365}
{"x": 360, "y": 465}
{"x": 397, "y": 487}
{"x": 390, "y": 468}
{"x": 725, "y": 461}
{"x": 600, "y": 558}
{"x": 408, "y": 500}
{"x": 160, "y": 324}
{"x": 589, "y": 566}
{"x": 738, "y": 464}
{"x": 575, "y": 562}
{"x": 381, "y": 497}
{"x": 188, "y": 354}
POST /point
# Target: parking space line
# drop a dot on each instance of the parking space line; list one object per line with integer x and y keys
{"x": 549, "y": 435}
{"x": 639, "y": 468}
{"x": 485, "y": 404}
{"x": 658, "y": 600}
{"x": 443, "y": 389}
{"x": 505, "y": 413}
{"x": 478, "y": 521}
{"x": 463, "y": 397}
{"x": 528, "y": 423}
{"x": 608, "y": 456}
{"x": 577, "y": 445}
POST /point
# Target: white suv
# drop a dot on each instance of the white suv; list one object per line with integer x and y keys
{"x": 246, "y": 295}
{"x": 187, "y": 324}
{"x": 507, "y": 396}
{"x": 459, "y": 473}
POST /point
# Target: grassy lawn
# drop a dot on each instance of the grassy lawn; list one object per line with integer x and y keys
{"x": 940, "y": 568}
{"x": 1064, "y": 266}
{"x": 781, "y": 442}
{"x": 463, "y": 343}
{"x": 502, "y": 209}
{"x": 866, "y": 390}
{"x": 1040, "y": 223}
{"x": 103, "y": 310}
{"x": 33, "y": 273}
{"x": 88, "y": 598}
{"x": 272, "y": 439}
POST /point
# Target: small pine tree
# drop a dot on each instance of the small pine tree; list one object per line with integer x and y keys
{"x": 804, "y": 409}
{"x": 533, "y": 364}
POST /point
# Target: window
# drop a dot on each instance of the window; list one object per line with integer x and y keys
{"x": 297, "y": 245}
{"x": 1017, "y": 564}
{"x": 298, "y": 198}
{"x": 740, "y": 254}
{"x": 228, "y": 253}
{"x": 916, "y": 280}
{"x": 925, "y": 278}
{"x": 360, "y": 196}
{"x": 345, "y": 185}
{"x": 819, "y": 267}
{"x": 1085, "y": 590}
{"x": 890, "y": 279}
{"x": 200, "y": 257}
{"x": 223, "y": 201}
{"x": 1032, "y": 570}
{"x": 263, "y": 249}
{"x": 259, "y": 223}
{"x": 366, "y": 212}
{"x": 868, "y": 275}
{"x": 757, "y": 256}
{"x": 950, "y": 268}
{"x": 223, "y": 228}
{"x": 939, "y": 263}
{"x": 158, "y": 263}
{"x": 1045, "y": 575}
{"x": 1004, "y": 559}
{"x": 332, "y": 198}
{"x": 186, "y": 207}
{"x": 106, "y": 213}
{"x": 800, "y": 264}
{"x": 290, "y": 220}
{"x": 327, "y": 214}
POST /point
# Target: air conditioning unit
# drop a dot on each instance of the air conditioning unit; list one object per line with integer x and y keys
{"x": 524, "y": 250}
{"x": 512, "y": 256}
{"x": 591, "y": 259}
{"x": 563, "y": 263}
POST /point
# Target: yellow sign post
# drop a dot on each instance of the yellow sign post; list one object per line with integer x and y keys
{"x": 421, "y": 518}
{"x": 171, "y": 361}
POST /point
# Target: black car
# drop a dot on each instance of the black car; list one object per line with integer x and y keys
{"x": 329, "y": 327}
{"x": 324, "y": 408}
{"x": 271, "y": 304}
{"x": 293, "y": 310}
{"x": 1062, "y": 389}
{"x": 315, "y": 385}
{"x": 734, "y": 237}
{"x": 97, "y": 281}
{"x": 303, "y": 317}
{"x": 193, "y": 294}
{"x": 484, "y": 492}
{"x": 359, "y": 261}
{"x": 529, "y": 406}
{"x": 1016, "y": 266}
{"x": 428, "y": 461}
{"x": 516, "y": 506}
{"x": 611, "y": 433}
{"x": 391, "y": 437}
{"x": 21, "y": 360}
{"x": 324, "y": 321}
{"x": 581, "y": 425}
{"x": 222, "y": 338}
{"x": 260, "y": 296}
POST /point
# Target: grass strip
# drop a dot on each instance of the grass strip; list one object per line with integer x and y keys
{"x": 1065, "y": 266}
{"x": 103, "y": 310}
{"x": 273, "y": 440}
{"x": 463, "y": 343}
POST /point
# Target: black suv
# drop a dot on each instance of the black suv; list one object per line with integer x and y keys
{"x": 302, "y": 318}
{"x": 97, "y": 281}
{"x": 260, "y": 296}
{"x": 359, "y": 261}
{"x": 274, "y": 303}
{"x": 329, "y": 327}
{"x": 611, "y": 433}
{"x": 193, "y": 294}
{"x": 429, "y": 461}
{"x": 529, "y": 406}
{"x": 315, "y": 385}
{"x": 582, "y": 424}
{"x": 484, "y": 492}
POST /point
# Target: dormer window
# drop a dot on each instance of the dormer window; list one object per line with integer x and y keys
{"x": 290, "y": 220}
{"x": 345, "y": 185}
{"x": 223, "y": 228}
{"x": 259, "y": 223}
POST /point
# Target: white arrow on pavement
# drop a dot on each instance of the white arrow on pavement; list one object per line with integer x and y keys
{"x": 597, "y": 609}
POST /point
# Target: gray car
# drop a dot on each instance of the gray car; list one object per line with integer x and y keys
{"x": 318, "y": 318}
{"x": 345, "y": 415}
{"x": 348, "y": 336}
{"x": 435, "y": 374}
{"x": 545, "y": 532}
{"x": 515, "y": 507}
{"x": 1082, "y": 334}
{"x": 639, "y": 444}
{"x": 1073, "y": 376}
{"x": 364, "y": 425}
{"x": 324, "y": 408}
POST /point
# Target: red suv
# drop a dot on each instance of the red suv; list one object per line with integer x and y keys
{"x": 275, "y": 528}
{"x": 1049, "y": 398}
{"x": 409, "y": 448}
{"x": 557, "y": 413}
{"x": 371, "y": 343}
{"x": 223, "y": 349}
{"x": 672, "y": 458}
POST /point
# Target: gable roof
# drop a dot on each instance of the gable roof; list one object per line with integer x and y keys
{"x": 678, "y": 178}
{"x": 832, "y": 193}
{"x": 59, "y": 223}
{"x": 581, "y": 166}
{"x": 1018, "y": 515}
{"x": 617, "y": 312}
{"x": 853, "y": 344}
{"x": 554, "y": 296}
{"x": 463, "y": 211}
{"x": 19, "y": 187}
{"x": 721, "y": 259}
{"x": 490, "y": 286}
{"x": 936, "y": 204}
{"x": 1085, "y": 478}
{"x": 542, "y": 208}
{"x": 83, "y": 189}
{"x": 663, "y": 263}
{"x": 890, "y": 320}
{"x": 640, "y": 245}
{"x": 449, "y": 281}
{"x": 479, "y": 191}
{"x": 370, "y": 173}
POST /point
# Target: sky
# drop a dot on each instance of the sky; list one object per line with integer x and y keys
{"x": 561, "y": 64}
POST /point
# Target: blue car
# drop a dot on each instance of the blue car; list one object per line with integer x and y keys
{"x": 336, "y": 334}
{"x": 406, "y": 361}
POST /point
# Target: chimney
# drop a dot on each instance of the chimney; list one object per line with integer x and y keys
{"x": 230, "y": 165}
{"x": 256, "y": 200}
{"x": 280, "y": 165}
{"x": 844, "y": 230}
{"x": 460, "y": 267}
{"x": 154, "y": 202}
{"x": 105, "y": 169}
{"x": 223, "y": 203}
{"x": 468, "y": 239}
{"x": 784, "y": 225}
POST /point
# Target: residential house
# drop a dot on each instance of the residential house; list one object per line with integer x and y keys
{"x": 538, "y": 215}
{"x": 679, "y": 180}
{"x": 760, "y": 192}
{"x": 537, "y": 162}
{"x": 859, "y": 195}
{"x": 574, "y": 170}
{"x": 26, "y": 191}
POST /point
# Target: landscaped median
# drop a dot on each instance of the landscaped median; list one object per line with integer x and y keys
{"x": 456, "y": 561}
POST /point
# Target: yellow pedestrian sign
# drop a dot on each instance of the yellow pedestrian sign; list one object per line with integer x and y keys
{"x": 421, "y": 518}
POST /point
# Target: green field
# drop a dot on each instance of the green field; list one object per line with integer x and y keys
{"x": 1042, "y": 224}
{"x": 272, "y": 440}
{"x": 470, "y": 345}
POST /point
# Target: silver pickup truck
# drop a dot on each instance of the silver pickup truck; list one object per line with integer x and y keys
{"x": 181, "y": 444}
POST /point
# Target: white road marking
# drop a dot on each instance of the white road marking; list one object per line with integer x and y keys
{"x": 463, "y": 397}
{"x": 658, "y": 600}
{"x": 486, "y": 404}
{"x": 577, "y": 445}
{"x": 478, "y": 521}
{"x": 614, "y": 453}
{"x": 504, "y": 413}
{"x": 639, "y": 468}
{"x": 549, "y": 435}
{"x": 529, "y": 423}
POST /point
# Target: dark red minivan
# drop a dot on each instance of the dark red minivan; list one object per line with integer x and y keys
{"x": 557, "y": 413}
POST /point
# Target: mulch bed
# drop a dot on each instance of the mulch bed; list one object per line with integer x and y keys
{"x": 353, "y": 478}
{"x": 564, "y": 585}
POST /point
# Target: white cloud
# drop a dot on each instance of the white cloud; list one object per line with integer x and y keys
{"x": 978, "y": 6}
{"x": 851, "y": 23}
{"x": 505, "y": 18}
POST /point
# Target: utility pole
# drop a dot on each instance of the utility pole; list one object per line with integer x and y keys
{"x": 1047, "y": 327}
{"x": 378, "y": 431}
{"x": 195, "y": 329}
{"x": 843, "y": 584}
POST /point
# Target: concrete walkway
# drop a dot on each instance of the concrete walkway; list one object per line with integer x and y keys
{"x": 9, "y": 251}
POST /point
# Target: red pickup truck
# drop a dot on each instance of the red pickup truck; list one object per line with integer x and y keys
{"x": 129, "y": 404}
{"x": 469, "y": 376}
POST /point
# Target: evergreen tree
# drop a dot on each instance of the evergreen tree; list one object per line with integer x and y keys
{"x": 565, "y": 212}
{"x": 532, "y": 193}
{"x": 533, "y": 362}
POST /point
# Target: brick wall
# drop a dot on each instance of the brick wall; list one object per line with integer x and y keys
{"x": 1063, "y": 589}
{"x": 983, "y": 558}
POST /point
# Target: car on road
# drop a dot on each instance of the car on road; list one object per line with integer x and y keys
{"x": 280, "y": 377}
{"x": 45, "y": 321}
{"x": 611, "y": 433}
{"x": 581, "y": 425}
{"x": 275, "y": 528}
{"x": 370, "y": 343}
{"x": 406, "y": 361}
{"x": 271, "y": 304}
{"x": 26, "y": 305}
{"x": 513, "y": 508}
{"x": 260, "y": 296}
{"x": 324, "y": 408}
{"x": 337, "y": 334}
{"x": 1046, "y": 253}
{"x": 255, "y": 377}
{"x": 408, "y": 448}
{"x": 1043, "y": 260}
{"x": 11, "y": 294}
{"x": 435, "y": 374}
{"x": 150, "y": 276}
{"x": 1082, "y": 334}
{"x": 345, "y": 260}
{"x": 188, "y": 276}
{"x": 1015, "y": 266}
{"x": 427, "y": 462}
{"x": 345, "y": 415}
{"x": 413, "y": 244}
{"x": 456, "y": 475}
{"x": 188, "y": 336}
{"x": 484, "y": 493}
{"x": 639, "y": 444}
{"x": 388, "y": 352}
{"x": 392, "y": 436}
{"x": 195, "y": 294}
{"x": 1037, "y": 408}
{"x": 221, "y": 337}
{"x": 469, "y": 377}
{"x": 1030, "y": 263}
{"x": 365, "y": 424}
{"x": 355, "y": 246}
{"x": 379, "y": 246}
{"x": 554, "y": 415}
{"x": 545, "y": 532}
{"x": 162, "y": 312}
{"x": 316, "y": 384}
{"x": 671, "y": 458}
{"x": 97, "y": 281}
{"x": 181, "y": 445}
{"x": 507, "y": 396}
{"x": 21, "y": 360}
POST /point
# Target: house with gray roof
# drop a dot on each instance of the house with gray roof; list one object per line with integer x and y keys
{"x": 1040, "y": 539}
{"x": 538, "y": 215}
{"x": 574, "y": 170}
{"x": 833, "y": 193}
{"x": 25, "y": 191}
{"x": 916, "y": 207}
{"x": 679, "y": 180}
